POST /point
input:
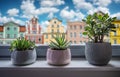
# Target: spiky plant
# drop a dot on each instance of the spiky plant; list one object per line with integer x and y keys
{"x": 21, "y": 44}
{"x": 59, "y": 43}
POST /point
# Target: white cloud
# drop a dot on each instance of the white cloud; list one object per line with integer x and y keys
{"x": 71, "y": 14}
{"x": 116, "y": 15}
{"x": 29, "y": 9}
{"x": 82, "y": 4}
{"x": 51, "y": 15}
{"x": 48, "y": 10}
{"x": 50, "y": 3}
{"x": 103, "y": 9}
{"x": 5, "y": 19}
{"x": 13, "y": 12}
{"x": 102, "y": 3}
{"x": 44, "y": 24}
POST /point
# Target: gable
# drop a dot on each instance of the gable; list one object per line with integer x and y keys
{"x": 11, "y": 23}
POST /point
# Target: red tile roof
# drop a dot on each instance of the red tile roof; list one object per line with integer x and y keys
{"x": 1, "y": 28}
{"x": 22, "y": 29}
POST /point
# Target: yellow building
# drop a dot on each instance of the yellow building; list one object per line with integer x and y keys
{"x": 54, "y": 27}
{"x": 115, "y": 36}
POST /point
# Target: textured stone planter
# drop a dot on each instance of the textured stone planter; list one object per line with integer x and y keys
{"x": 98, "y": 53}
{"x": 23, "y": 57}
{"x": 58, "y": 57}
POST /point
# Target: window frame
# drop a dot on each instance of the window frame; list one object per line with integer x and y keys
{"x": 8, "y": 36}
{"x": 8, "y": 28}
{"x": 71, "y": 34}
{"x": 15, "y": 35}
{"x": 15, "y": 28}
{"x": 77, "y": 50}
{"x": 75, "y": 34}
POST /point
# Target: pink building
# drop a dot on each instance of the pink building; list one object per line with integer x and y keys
{"x": 75, "y": 32}
{"x": 33, "y": 31}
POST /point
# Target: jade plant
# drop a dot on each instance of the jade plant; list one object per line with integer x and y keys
{"x": 59, "y": 43}
{"x": 98, "y": 26}
{"x": 21, "y": 44}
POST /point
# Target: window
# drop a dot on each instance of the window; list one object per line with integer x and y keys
{"x": 46, "y": 42}
{"x": 72, "y": 25}
{"x": 1, "y": 35}
{"x": 55, "y": 22}
{"x": 1, "y": 42}
{"x": 8, "y": 35}
{"x": 75, "y": 27}
{"x": 52, "y": 30}
{"x": 80, "y": 27}
{"x": 34, "y": 32}
{"x": 8, "y": 42}
{"x": 15, "y": 36}
{"x": 70, "y": 34}
{"x": 39, "y": 39}
{"x": 115, "y": 41}
{"x": 80, "y": 34}
{"x": 8, "y": 28}
{"x": 15, "y": 28}
{"x": 74, "y": 34}
{"x": 21, "y": 35}
{"x": 52, "y": 26}
{"x": 71, "y": 42}
{"x": 46, "y": 36}
{"x": 115, "y": 33}
{"x": 80, "y": 42}
{"x": 58, "y": 30}
{"x": 34, "y": 26}
{"x": 117, "y": 25}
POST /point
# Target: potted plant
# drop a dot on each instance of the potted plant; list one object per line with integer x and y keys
{"x": 97, "y": 51}
{"x": 59, "y": 53}
{"x": 23, "y": 52}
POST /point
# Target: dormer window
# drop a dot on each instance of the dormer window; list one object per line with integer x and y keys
{"x": 8, "y": 28}
{"x": 55, "y": 22}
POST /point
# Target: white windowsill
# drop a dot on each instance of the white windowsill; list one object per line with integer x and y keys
{"x": 77, "y": 68}
{"x": 75, "y": 63}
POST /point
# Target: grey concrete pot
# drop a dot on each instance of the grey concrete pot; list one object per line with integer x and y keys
{"x": 58, "y": 57}
{"x": 23, "y": 57}
{"x": 98, "y": 53}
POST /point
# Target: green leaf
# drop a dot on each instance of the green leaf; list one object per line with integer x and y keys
{"x": 85, "y": 33}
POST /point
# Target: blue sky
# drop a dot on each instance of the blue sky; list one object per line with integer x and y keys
{"x": 21, "y": 11}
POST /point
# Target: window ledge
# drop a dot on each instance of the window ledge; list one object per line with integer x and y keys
{"x": 77, "y": 68}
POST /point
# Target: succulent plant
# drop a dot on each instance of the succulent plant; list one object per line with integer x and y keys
{"x": 21, "y": 44}
{"x": 97, "y": 26}
{"x": 59, "y": 43}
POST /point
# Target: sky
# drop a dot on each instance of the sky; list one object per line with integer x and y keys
{"x": 21, "y": 11}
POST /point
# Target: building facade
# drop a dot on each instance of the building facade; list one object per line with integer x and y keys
{"x": 115, "y": 36}
{"x": 33, "y": 31}
{"x": 54, "y": 27}
{"x": 10, "y": 31}
{"x": 75, "y": 32}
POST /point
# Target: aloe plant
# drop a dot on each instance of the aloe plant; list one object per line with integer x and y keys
{"x": 21, "y": 44}
{"x": 59, "y": 43}
{"x": 97, "y": 26}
